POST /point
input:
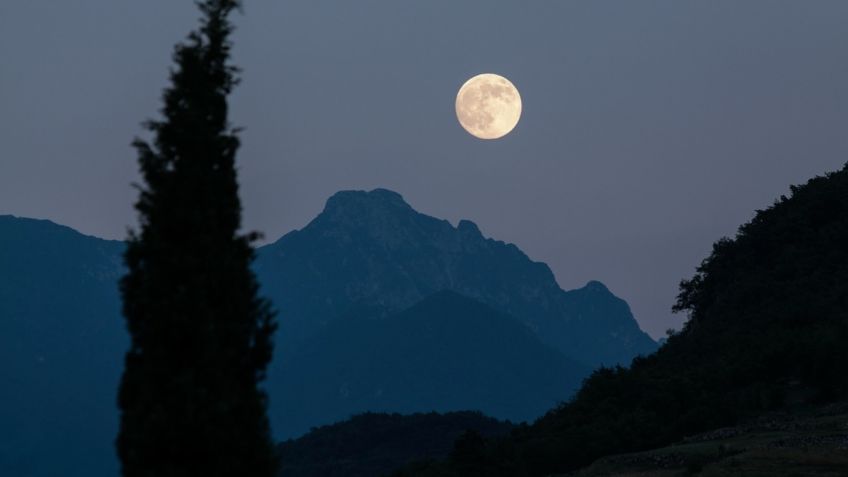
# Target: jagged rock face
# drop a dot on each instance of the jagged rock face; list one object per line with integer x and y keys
{"x": 371, "y": 249}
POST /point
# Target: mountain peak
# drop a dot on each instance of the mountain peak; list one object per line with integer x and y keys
{"x": 596, "y": 287}
{"x": 468, "y": 227}
{"x": 379, "y": 214}
{"x": 351, "y": 200}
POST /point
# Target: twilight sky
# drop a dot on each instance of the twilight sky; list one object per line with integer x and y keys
{"x": 649, "y": 130}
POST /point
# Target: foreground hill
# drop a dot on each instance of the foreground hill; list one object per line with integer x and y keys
{"x": 767, "y": 331}
{"x": 370, "y": 445}
{"x": 61, "y": 350}
{"x": 373, "y": 249}
{"x": 447, "y": 352}
{"x": 810, "y": 442}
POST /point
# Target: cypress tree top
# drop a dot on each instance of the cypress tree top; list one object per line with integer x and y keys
{"x": 201, "y": 337}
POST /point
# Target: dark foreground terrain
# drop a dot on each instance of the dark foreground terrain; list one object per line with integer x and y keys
{"x": 808, "y": 443}
{"x": 373, "y": 444}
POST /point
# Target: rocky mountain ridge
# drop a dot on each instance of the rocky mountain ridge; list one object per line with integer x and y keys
{"x": 374, "y": 249}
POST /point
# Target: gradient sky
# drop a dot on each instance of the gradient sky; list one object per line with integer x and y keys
{"x": 650, "y": 129}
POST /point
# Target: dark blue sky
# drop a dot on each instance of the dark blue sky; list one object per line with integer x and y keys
{"x": 650, "y": 129}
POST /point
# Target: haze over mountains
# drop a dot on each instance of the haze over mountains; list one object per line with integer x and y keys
{"x": 381, "y": 308}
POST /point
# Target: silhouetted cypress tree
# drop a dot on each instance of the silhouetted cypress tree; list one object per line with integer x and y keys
{"x": 201, "y": 337}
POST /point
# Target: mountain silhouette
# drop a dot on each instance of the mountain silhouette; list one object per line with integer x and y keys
{"x": 61, "y": 349}
{"x": 369, "y": 271}
{"x": 447, "y": 352}
{"x": 373, "y": 249}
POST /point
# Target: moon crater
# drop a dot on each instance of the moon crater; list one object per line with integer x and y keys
{"x": 488, "y": 106}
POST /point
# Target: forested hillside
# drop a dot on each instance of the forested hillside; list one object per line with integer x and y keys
{"x": 768, "y": 323}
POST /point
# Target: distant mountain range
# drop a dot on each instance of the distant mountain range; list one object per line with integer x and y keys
{"x": 373, "y": 249}
{"x": 61, "y": 350}
{"x": 371, "y": 254}
{"x": 381, "y": 309}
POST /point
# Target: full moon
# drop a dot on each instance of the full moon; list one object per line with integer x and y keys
{"x": 488, "y": 106}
